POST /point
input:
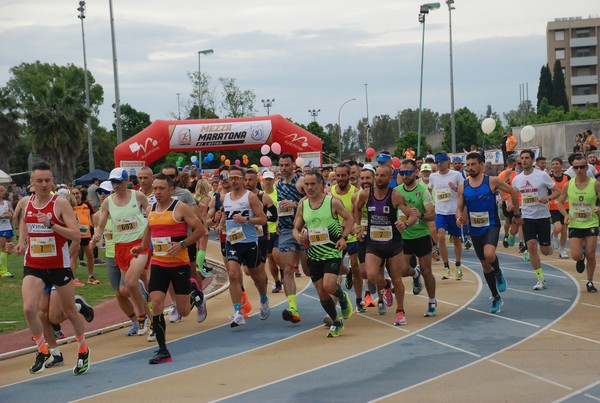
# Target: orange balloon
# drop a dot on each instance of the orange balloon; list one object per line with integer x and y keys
{"x": 223, "y": 157}
{"x": 227, "y": 162}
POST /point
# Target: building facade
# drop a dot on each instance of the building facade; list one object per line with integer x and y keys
{"x": 574, "y": 42}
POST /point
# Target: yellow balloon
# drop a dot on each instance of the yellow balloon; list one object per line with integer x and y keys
{"x": 223, "y": 157}
{"x": 227, "y": 162}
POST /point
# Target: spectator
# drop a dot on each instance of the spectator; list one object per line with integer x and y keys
{"x": 511, "y": 143}
{"x": 590, "y": 143}
{"x": 578, "y": 143}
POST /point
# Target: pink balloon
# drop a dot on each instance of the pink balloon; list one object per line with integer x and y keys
{"x": 265, "y": 161}
{"x": 237, "y": 162}
{"x": 396, "y": 162}
{"x": 276, "y": 148}
{"x": 264, "y": 150}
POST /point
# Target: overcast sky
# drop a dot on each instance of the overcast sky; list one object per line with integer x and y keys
{"x": 305, "y": 55}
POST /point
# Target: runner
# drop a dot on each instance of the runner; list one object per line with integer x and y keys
{"x": 319, "y": 213}
{"x": 535, "y": 186}
{"x": 478, "y": 195}
{"x": 6, "y": 232}
{"x": 558, "y": 220}
{"x": 273, "y": 248}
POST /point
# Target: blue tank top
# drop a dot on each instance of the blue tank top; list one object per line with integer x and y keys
{"x": 382, "y": 215}
{"x": 481, "y": 207}
{"x": 288, "y": 191}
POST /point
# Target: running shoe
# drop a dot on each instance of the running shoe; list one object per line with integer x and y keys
{"x": 417, "y": 283}
{"x": 276, "y": 288}
{"x": 468, "y": 243}
{"x": 526, "y": 256}
{"x": 160, "y": 357}
{"x": 174, "y": 316}
{"x": 133, "y": 330}
{"x": 238, "y": 319}
{"x": 431, "y": 309}
{"x": 327, "y": 321}
{"x": 86, "y": 309}
{"x": 400, "y": 318}
{"x": 83, "y": 363}
{"x": 151, "y": 335}
{"x": 196, "y": 296}
{"x": 540, "y": 285}
{"x": 41, "y": 360}
{"x": 360, "y": 307}
{"x": 336, "y": 328}
{"x": 265, "y": 310}
{"x": 497, "y": 302}
{"x": 92, "y": 280}
{"x": 458, "y": 272}
{"x": 522, "y": 248}
{"x": 555, "y": 244}
{"x": 381, "y": 309}
{"x": 563, "y": 254}
{"x": 246, "y": 305}
{"x": 349, "y": 281}
{"x": 590, "y": 287}
{"x": 346, "y": 306}
{"x": 291, "y": 315}
{"x": 580, "y": 265}
{"x": 500, "y": 282}
{"x": 511, "y": 240}
{"x": 388, "y": 296}
{"x": 297, "y": 272}
{"x": 143, "y": 290}
{"x": 59, "y": 334}
{"x": 78, "y": 283}
{"x": 7, "y": 275}
{"x": 436, "y": 254}
{"x": 505, "y": 242}
{"x": 368, "y": 301}
{"x": 446, "y": 273}
{"x": 143, "y": 325}
{"x": 99, "y": 262}
{"x": 201, "y": 312}
{"x": 57, "y": 361}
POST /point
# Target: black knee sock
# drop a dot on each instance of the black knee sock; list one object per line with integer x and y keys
{"x": 339, "y": 293}
{"x": 329, "y": 308}
{"x": 496, "y": 266}
{"x": 413, "y": 261}
{"x": 95, "y": 252}
{"x": 160, "y": 329}
{"x": 490, "y": 278}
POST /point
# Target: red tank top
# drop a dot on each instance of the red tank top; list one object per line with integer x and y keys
{"x": 45, "y": 248}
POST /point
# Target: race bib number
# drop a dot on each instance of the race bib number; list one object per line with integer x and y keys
{"x": 236, "y": 235}
{"x": 318, "y": 236}
{"x": 401, "y": 216}
{"x": 161, "y": 246}
{"x": 443, "y": 195}
{"x": 126, "y": 226}
{"x": 83, "y": 229}
{"x": 286, "y": 212}
{"x": 480, "y": 219}
{"x": 42, "y": 246}
{"x": 260, "y": 231}
{"x": 530, "y": 198}
{"x": 364, "y": 224}
{"x": 108, "y": 235}
{"x": 381, "y": 233}
{"x": 582, "y": 213}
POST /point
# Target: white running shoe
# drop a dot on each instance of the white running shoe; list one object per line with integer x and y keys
{"x": 201, "y": 311}
{"x": 563, "y": 254}
{"x": 540, "y": 285}
{"x": 238, "y": 319}
{"x": 144, "y": 326}
{"x": 555, "y": 243}
{"x": 174, "y": 316}
{"x": 265, "y": 310}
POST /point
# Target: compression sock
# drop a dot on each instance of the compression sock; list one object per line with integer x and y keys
{"x": 329, "y": 307}
{"x": 539, "y": 274}
{"x": 292, "y": 302}
{"x": 160, "y": 330}
{"x": 41, "y": 343}
{"x": 81, "y": 344}
{"x": 490, "y": 279}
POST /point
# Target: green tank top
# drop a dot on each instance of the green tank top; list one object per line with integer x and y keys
{"x": 347, "y": 202}
{"x": 129, "y": 222}
{"x": 109, "y": 241}
{"x": 272, "y": 225}
{"x": 418, "y": 198}
{"x": 324, "y": 230}
{"x": 581, "y": 205}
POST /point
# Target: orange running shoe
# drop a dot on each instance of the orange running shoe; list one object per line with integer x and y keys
{"x": 246, "y": 305}
{"x": 369, "y": 303}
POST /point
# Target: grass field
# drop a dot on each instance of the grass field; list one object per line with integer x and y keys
{"x": 11, "y": 301}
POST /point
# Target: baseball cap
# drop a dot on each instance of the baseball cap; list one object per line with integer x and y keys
{"x": 268, "y": 175}
{"x": 441, "y": 157}
{"x": 457, "y": 159}
{"x": 62, "y": 192}
{"x": 425, "y": 167}
{"x": 383, "y": 158}
{"x": 368, "y": 167}
{"x": 118, "y": 174}
{"x": 106, "y": 185}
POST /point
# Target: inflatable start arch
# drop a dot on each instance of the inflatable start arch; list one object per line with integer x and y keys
{"x": 164, "y": 136}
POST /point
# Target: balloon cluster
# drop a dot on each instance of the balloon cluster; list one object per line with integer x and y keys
{"x": 265, "y": 160}
{"x": 209, "y": 158}
{"x": 179, "y": 161}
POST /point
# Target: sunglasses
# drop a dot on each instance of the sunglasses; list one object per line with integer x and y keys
{"x": 235, "y": 177}
{"x": 103, "y": 192}
{"x": 406, "y": 172}
{"x": 579, "y": 166}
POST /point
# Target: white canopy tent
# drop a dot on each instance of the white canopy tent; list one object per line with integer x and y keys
{"x": 4, "y": 177}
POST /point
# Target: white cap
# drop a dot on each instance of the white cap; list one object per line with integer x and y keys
{"x": 62, "y": 192}
{"x": 106, "y": 185}
{"x": 118, "y": 174}
{"x": 268, "y": 175}
{"x": 368, "y": 167}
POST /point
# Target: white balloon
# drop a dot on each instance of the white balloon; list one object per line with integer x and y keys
{"x": 527, "y": 133}
{"x": 488, "y": 125}
{"x": 300, "y": 162}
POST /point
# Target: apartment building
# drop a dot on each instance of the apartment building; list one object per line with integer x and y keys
{"x": 574, "y": 41}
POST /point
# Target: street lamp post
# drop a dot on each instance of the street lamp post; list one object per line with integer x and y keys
{"x": 268, "y": 103}
{"x": 91, "y": 164}
{"x": 423, "y": 11}
{"x": 314, "y": 113}
{"x": 452, "y": 122}
{"x": 340, "y": 128}
{"x": 117, "y": 104}
{"x": 201, "y": 52}
{"x": 368, "y": 128}
{"x": 178, "y": 107}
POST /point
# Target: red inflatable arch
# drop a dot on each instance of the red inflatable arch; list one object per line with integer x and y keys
{"x": 164, "y": 136}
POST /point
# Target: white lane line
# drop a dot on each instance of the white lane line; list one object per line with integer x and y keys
{"x": 592, "y": 305}
{"x": 512, "y": 267}
{"x": 541, "y": 378}
{"x": 592, "y": 397}
{"x": 579, "y": 391}
{"x": 503, "y": 317}
{"x": 540, "y": 294}
{"x": 384, "y": 323}
{"x": 575, "y": 336}
{"x": 449, "y": 346}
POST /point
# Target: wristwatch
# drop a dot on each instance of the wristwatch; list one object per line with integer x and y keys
{"x": 51, "y": 224}
{"x": 345, "y": 238}
{"x": 183, "y": 244}
{"x": 517, "y": 215}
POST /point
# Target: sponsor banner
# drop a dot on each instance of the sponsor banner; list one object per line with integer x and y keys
{"x": 217, "y": 135}
{"x": 132, "y": 167}
{"x": 495, "y": 156}
{"x": 312, "y": 159}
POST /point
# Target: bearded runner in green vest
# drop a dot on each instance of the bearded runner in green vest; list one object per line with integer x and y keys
{"x": 582, "y": 218}
{"x": 317, "y": 221}
{"x": 417, "y": 239}
{"x": 344, "y": 191}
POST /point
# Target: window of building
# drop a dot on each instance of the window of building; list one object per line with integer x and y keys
{"x": 559, "y": 54}
{"x": 582, "y": 33}
{"x": 559, "y": 35}
{"x": 582, "y": 90}
{"x": 583, "y": 52}
{"x": 583, "y": 71}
